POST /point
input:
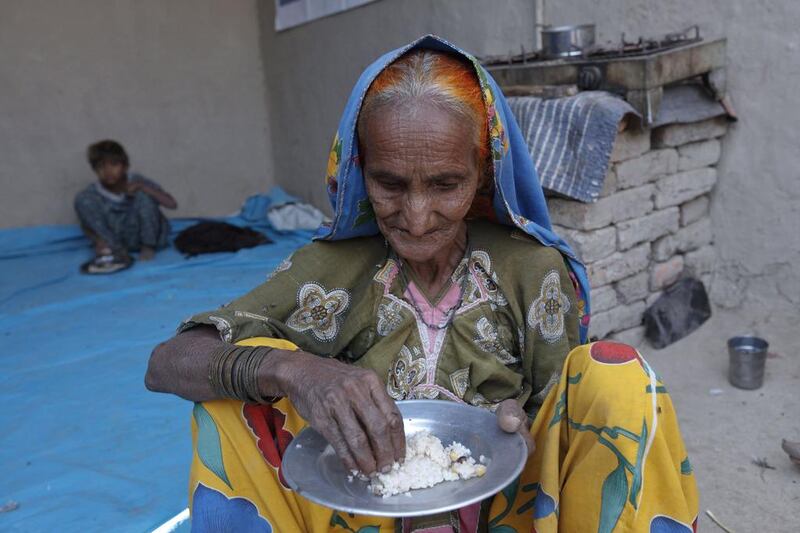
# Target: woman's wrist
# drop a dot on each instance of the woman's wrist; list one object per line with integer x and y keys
{"x": 277, "y": 372}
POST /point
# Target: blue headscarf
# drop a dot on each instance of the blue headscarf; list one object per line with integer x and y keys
{"x": 518, "y": 197}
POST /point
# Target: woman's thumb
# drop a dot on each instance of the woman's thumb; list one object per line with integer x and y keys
{"x": 510, "y": 416}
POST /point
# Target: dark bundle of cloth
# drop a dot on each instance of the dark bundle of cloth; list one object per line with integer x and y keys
{"x": 211, "y": 236}
{"x": 682, "y": 308}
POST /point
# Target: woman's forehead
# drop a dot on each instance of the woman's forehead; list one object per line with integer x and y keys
{"x": 422, "y": 135}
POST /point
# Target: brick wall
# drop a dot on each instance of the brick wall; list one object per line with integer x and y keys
{"x": 651, "y": 225}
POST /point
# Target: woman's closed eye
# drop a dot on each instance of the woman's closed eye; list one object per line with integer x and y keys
{"x": 446, "y": 185}
{"x": 389, "y": 183}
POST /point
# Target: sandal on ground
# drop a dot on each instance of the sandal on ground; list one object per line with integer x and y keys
{"x": 106, "y": 264}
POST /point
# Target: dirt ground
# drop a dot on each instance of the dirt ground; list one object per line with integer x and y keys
{"x": 726, "y": 429}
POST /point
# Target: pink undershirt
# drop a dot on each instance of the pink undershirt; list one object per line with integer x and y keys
{"x": 433, "y": 314}
{"x": 438, "y": 315}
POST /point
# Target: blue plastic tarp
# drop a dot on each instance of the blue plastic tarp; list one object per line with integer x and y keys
{"x": 84, "y": 446}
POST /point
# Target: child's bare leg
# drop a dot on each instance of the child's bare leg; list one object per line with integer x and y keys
{"x": 100, "y": 246}
{"x": 149, "y": 222}
{"x": 95, "y": 226}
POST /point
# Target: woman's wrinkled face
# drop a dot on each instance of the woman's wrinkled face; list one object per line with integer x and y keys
{"x": 421, "y": 172}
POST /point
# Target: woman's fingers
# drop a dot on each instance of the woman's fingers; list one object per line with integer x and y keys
{"x": 394, "y": 420}
{"x": 351, "y": 409}
{"x": 357, "y": 441}
{"x": 370, "y": 441}
{"x": 512, "y": 418}
{"x": 376, "y": 427}
{"x": 337, "y": 441}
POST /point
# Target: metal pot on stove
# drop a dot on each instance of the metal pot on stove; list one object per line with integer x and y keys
{"x": 566, "y": 41}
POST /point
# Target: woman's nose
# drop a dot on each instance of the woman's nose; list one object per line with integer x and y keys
{"x": 417, "y": 214}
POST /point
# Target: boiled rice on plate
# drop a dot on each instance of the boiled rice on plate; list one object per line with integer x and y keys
{"x": 428, "y": 462}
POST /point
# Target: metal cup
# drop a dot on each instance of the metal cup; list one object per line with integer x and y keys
{"x": 748, "y": 356}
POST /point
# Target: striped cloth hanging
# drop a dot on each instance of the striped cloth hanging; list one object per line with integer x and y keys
{"x": 570, "y": 139}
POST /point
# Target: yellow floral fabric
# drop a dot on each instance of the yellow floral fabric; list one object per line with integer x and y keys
{"x": 609, "y": 458}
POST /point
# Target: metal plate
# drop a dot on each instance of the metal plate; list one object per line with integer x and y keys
{"x": 313, "y": 470}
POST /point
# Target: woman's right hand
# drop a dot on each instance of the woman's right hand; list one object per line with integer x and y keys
{"x": 349, "y": 406}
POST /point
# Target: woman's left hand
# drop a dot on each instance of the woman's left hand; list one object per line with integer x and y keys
{"x": 512, "y": 418}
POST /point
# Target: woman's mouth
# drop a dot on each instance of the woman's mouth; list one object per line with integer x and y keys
{"x": 406, "y": 232}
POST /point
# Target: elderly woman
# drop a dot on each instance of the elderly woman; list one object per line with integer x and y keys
{"x": 440, "y": 277}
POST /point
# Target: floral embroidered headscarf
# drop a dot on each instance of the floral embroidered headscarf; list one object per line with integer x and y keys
{"x": 518, "y": 197}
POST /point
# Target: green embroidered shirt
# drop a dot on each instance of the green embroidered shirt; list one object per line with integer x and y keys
{"x": 517, "y": 320}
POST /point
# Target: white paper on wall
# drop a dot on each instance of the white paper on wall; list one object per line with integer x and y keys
{"x": 290, "y": 13}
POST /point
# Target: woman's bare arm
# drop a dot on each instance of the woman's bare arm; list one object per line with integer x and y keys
{"x": 180, "y": 366}
{"x": 348, "y": 405}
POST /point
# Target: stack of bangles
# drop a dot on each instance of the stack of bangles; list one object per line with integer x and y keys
{"x": 233, "y": 372}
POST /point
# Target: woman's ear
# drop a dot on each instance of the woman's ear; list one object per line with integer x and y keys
{"x": 482, "y": 203}
{"x": 485, "y": 175}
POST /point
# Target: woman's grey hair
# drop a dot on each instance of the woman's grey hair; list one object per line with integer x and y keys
{"x": 417, "y": 83}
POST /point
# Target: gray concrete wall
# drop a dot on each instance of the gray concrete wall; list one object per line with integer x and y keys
{"x": 179, "y": 83}
{"x": 756, "y": 203}
{"x": 182, "y": 85}
{"x": 319, "y": 62}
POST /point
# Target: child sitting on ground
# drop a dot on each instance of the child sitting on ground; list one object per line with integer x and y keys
{"x": 120, "y": 211}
